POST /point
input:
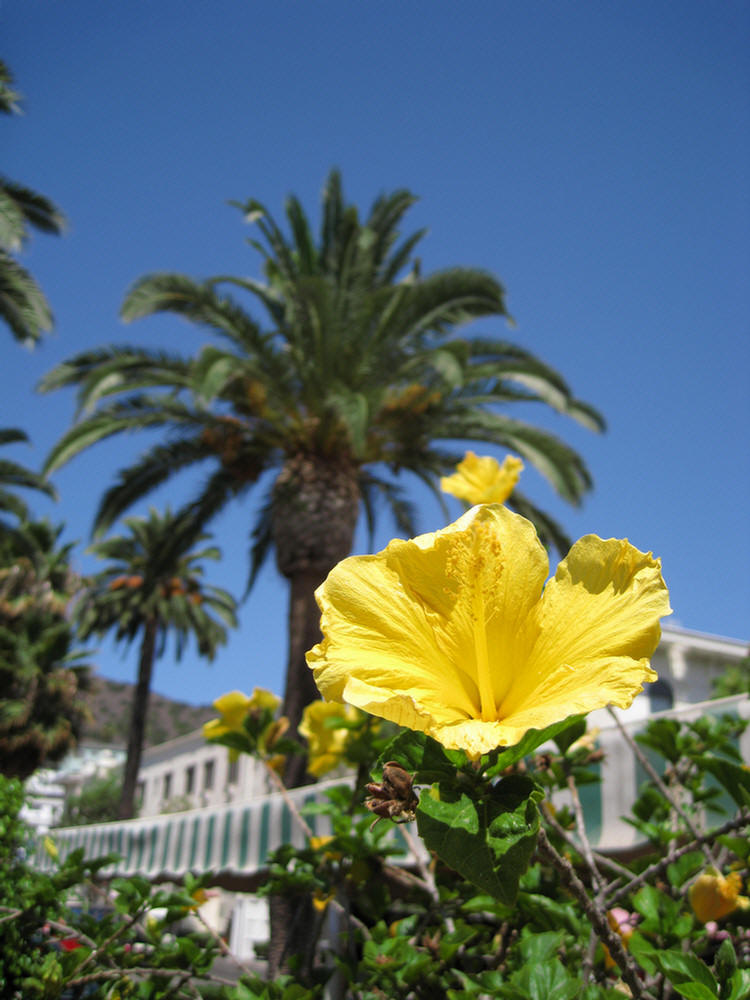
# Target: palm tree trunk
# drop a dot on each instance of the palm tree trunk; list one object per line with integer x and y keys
{"x": 315, "y": 507}
{"x": 137, "y": 732}
{"x": 300, "y": 689}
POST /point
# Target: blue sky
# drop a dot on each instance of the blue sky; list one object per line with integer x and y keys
{"x": 596, "y": 157}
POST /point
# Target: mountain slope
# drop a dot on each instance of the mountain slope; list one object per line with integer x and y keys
{"x": 109, "y": 709}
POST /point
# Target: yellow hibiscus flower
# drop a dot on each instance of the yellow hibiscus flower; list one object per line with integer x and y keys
{"x": 326, "y": 744}
{"x": 713, "y": 895}
{"x": 234, "y": 708}
{"x": 483, "y": 480}
{"x": 454, "y": 633}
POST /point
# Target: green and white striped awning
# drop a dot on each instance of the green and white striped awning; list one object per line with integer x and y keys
{"x": 236, "y": 838}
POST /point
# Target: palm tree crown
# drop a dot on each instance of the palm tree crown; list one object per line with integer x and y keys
{"x": 357, "y": 375}
{"x": 150, "y": 589}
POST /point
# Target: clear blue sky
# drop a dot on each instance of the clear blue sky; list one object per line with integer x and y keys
{"x": 595, "y": 156}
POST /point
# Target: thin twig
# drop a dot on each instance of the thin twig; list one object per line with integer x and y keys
{"x": 60, "y": 928}
{"x": 152, "y": 972}
{"x": 222, "y": 945}
{"x": 601, "y": 859}
{"x": 659, "y": 867}
{"x": 118, "y": 932}
{"x": 289, "y": 800}
{"x": 595, "y": 916}
{"x": 657, "y": 780}
{"x": 426, "y": 875}
{"x": 347, "y": 913}
{"x": 585, "y": 845}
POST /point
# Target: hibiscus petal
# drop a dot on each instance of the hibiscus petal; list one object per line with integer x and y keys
{"x": 429, "y": 631}
{"x": 598, "y": 627}
{"x": 233, "y": 707}
{"x": 450, "y": 633}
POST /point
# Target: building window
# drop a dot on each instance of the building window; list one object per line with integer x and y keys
{"x": 208, "y": 775}
{"x": 140, "y": 790}
{"x": 234, "y": 772}
{"x": 189, "y": 780}
{"x": 660, "y": 696}
{"x": 167, "y": 786}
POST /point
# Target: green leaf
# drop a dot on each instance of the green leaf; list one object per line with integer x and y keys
{"x": 695, "y": 991}
{"x": 538, "y": 948}
{"x": 739, "y": 985}
{"x": 683, "y": 968}
{"x": 661, "y": 736}
{"x": 680, "y": 871}
{"x": 740, "y": 846}
{"x": 575, "y": 728}
{"x": 725, "y": 963}
{"x": 734, "y": 778}
{"x": 547, "y": 981}
{"x": 546, "y": 912}
{"x": 643, "y": 952}
{"x": 533, "y": 739}
{"x": 488, "y": 840}
{"x": 423, "y": 757}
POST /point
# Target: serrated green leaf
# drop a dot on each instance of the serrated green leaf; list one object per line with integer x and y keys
{"x": 489, "y": 841}
{"x": 547, "y": 981}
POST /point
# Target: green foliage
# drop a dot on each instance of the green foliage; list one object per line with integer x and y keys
{"x": 500, "y": 897}
{"x": 735, "y": 680}
{"x": 42, "y": 678}
{"x": 95, "y": 803}
{"x": 63, "y": 936}
{"x": 512, "y": 903}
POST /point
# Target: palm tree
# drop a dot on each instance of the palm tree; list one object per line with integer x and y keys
{"x": 12, "y": 476}
{"x": 356, "y": 376}
{"x": 42, "y": 678}
{"x": 22, "y": 303}
{"x": 152, "y": 589}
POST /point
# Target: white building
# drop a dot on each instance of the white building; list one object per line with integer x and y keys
{"x": 189, "y": 773}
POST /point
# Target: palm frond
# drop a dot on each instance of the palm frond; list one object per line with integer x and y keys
{"x": 261, "y": 541}
{"x": 153, "y": 468}
{"x": 33, "y": 208}
{"x": 138, "y": 413}
{"x": 23, "y": 306}
{"x": 196, "y": 301}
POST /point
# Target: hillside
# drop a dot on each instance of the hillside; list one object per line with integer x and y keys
{"x": 109, "y": 704}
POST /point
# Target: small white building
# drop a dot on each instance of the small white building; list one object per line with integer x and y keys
{"x": 48, "y": 788}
